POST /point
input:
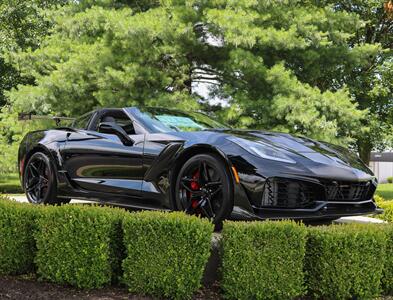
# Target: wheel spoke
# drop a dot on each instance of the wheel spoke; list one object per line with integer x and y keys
{"x": 205, "y": 172}
{"x": 201, "y": 176}
{"x": 44, "y": 181}
{"x": 186, "y": 187}
{"x": 38, "y": 193}
{"x": 194, "y": 193}
{"x": 32, "y": 187}
{"x": 216, "y": 191}
{"x": 33, "y": 170}
{"x": 213, "y": 183}
{"x": 187, "y": 179}
{"x": 209, "y": 204}
{"x": 42, "y": 168}
{"x": 207, "y": 212}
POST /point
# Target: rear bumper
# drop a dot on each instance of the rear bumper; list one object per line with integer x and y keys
{"x": 321, "y": 210}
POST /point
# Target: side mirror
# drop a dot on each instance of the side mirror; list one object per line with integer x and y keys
{"x": 113, "y": 128}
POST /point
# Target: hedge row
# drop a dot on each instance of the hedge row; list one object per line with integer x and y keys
{"x": 345, "y": 261}
{"x": 387, "y": 206}
{"x": 17, "y": 245}
{"x": 263, "y": 260}
{"x": 79, "y": 245}
{"x": 284, "y": 260}
{"x": 155, "y": 253}
{"x": 164, "y": 254}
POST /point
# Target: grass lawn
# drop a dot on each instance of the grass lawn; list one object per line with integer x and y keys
{"x": 385, "y": 190}
{"x": 9, "y": 184}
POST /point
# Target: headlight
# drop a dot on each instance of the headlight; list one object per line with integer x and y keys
{"x": 262, "y": 149}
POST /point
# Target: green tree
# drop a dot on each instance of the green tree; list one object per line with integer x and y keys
{"x": 275, "y": 63}
{"x": 23, "y": 25}
{"x": 315, "y": 68}
{"x": 371, "y": 84}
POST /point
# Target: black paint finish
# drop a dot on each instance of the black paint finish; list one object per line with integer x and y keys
{"x": 98, "y": 166}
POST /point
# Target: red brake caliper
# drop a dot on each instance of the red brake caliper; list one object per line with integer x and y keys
{"x": 195, "y": 187}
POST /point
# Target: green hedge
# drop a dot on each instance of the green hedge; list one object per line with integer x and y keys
{"x": 345, "y": 261}
{"x": 387, "y": 206}
{"x": 17, "y": 246}
{"x": 79, "y": 245}
{"x": 166, "y": 253}
{"x": 387, "y": 280}
{"x": 263, "y": 260}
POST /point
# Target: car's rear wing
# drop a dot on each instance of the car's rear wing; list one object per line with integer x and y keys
{"x": 31, "y": 116}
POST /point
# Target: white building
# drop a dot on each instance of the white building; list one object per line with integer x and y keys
{"x": 381, "y": 163}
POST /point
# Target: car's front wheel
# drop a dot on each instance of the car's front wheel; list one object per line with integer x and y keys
{"x": 203, "y": 187}
{"x": 39, "y": 181}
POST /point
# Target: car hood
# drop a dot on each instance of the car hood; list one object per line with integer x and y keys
{"x": 304, "y": 149}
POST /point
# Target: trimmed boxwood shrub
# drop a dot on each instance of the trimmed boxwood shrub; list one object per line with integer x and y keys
{"x": 387, "y": 206}
{"x": 387, "y": 280}
{"x": 345, "y": 261}
{"x": 263, "y": 260}
{"x": 79, "y": 245}
{"x": 17, "y": 245}
{"x": 166, "y": 253}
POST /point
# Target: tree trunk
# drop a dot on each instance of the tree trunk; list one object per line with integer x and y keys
{"x": 365, "y": 148}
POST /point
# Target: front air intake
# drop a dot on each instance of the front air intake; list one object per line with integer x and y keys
{"x": 289, "y": 193}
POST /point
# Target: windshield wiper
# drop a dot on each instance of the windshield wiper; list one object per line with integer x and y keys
{"x": 215, "y": 129}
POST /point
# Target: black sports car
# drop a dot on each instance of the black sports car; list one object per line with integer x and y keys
{"x": 156, "y": 158}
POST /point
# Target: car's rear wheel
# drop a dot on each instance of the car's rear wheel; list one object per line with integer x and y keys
{"x": 39, "y": 181}
{"x": 203, "y": 187}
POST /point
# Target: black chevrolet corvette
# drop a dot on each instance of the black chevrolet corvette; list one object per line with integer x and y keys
{"x": 156, "y": 158}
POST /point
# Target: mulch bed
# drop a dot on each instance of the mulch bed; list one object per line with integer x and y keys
{"x": 27, "y": 287}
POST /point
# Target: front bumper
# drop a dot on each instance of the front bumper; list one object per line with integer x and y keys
{"x": 305, "y": 199}
{"x": 321, "y": 210}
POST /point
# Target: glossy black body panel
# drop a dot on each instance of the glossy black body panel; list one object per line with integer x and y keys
{"x": 97, "y": 166}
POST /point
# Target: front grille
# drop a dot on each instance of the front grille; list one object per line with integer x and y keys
{"x": 348, "y": 191}
{"x": 291, "y": 193}
{"x": 288, "y": 193}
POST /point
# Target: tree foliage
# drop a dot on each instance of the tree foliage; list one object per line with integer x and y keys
{"x": 274, "y": 62}
{"x": 371, "y": 85}
{"x": 313, "y": 68}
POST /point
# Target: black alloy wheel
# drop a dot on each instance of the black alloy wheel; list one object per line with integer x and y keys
{"x": 39, "y": 181}
{"x": 203, "y": 188}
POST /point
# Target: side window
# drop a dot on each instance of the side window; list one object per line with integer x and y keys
{"x": 119, "y": 118}
{"x": 83, "y": 121}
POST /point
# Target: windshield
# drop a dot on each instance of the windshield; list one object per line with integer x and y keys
{"x": 167, "y": 120}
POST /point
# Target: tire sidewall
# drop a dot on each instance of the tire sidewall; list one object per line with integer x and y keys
{"x": 227, "y": 188}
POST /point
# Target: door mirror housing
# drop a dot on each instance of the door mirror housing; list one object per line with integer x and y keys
{"x": 113, "y": 128}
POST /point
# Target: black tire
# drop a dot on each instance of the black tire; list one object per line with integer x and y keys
{"x": 203, "y": 187}
{"x": 39, "y": 181}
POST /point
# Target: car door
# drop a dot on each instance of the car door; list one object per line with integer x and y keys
{"x": 100, "y": 164}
